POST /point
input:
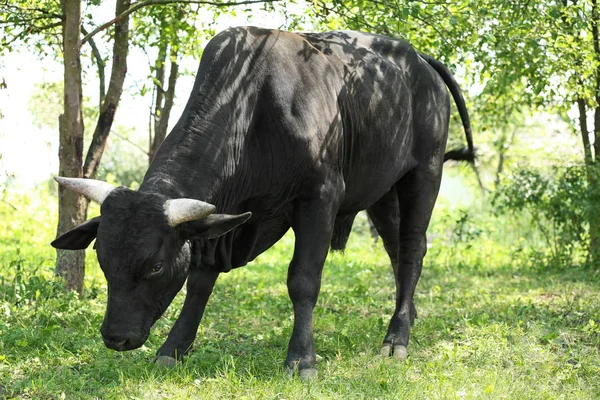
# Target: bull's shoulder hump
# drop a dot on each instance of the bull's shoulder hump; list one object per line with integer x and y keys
{"x": 251, "y": 39}
{"x": 351, "y": 45}
{"x": 357, "y": 39}
{"x": 343, "y": 42}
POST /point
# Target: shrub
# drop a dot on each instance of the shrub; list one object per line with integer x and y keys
{"x": 557, "y": 203}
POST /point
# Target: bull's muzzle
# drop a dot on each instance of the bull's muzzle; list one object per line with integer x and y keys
{"x": 122, "y": 342}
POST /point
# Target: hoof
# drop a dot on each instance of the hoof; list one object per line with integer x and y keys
{"x": 307, "y": 374}
{"x": 398, "y": 352}
{"x": 386, "y": 350}
{"x": 165, "y": 361}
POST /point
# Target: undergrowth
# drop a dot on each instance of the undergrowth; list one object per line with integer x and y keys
{"x": 496, "y": 320}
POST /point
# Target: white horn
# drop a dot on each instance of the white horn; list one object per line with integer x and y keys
{"x": 91, "y": 188}
{"x": 179, "y": 211}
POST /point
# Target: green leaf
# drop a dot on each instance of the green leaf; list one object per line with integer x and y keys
{"x": 405, "y": 13}
{"x": 415, "y": 10}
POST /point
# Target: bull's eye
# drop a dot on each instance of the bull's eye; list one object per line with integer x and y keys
{"x": 156, "y": 270}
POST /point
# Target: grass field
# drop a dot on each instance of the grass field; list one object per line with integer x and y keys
{"x": 490, "y": 326}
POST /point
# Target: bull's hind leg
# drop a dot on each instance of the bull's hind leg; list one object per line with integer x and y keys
{"x": 313, "y": 225}
{"x": 385, "y": 215}
{"x": 416, "y": 195}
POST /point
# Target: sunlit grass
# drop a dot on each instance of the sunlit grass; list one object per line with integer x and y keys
{"x": 492, "y": 324}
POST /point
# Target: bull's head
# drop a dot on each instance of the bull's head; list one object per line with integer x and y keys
{"x": 143, "y": 249}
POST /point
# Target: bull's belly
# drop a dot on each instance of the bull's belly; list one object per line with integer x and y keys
{"x": 362, "y": 198}
{"x": 365, "y": 188}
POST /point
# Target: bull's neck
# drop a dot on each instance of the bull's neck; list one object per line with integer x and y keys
{"x": 199, "y": 159}
{"x": 202, "y": 155}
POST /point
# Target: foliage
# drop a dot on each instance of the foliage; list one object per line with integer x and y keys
{"x": 174, "y": 24}
{"x": 35, "y": 23}
{"x": 45, "y": 105}
{"x": 492, "y": 323}
{"x": 520, "y": 53}
{"x": 125, "y": 162}
{"x": 557, "y": 203}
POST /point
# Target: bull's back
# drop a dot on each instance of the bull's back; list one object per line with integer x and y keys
{"x": 304, "y": 105}
{"x": 378, "y": 103}
{"x": 344, "y": 102}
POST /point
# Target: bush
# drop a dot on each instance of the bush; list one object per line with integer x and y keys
{"x": 557, "y": 203}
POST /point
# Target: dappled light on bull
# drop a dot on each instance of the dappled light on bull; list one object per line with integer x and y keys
{"x": 281, "y": 131}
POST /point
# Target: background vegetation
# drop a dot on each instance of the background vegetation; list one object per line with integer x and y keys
{"x": 509, "y": 298}
{"x": 496, "y": 320}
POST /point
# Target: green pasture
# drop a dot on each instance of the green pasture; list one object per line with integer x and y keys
{"x": 496, "y": 321}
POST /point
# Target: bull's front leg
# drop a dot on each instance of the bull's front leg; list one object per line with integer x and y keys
{"x": 313, "y": 225}
{"x": 199, "y": 287}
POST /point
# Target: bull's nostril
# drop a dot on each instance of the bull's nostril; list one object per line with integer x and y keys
{"x": 118, "y": 345}
{"x": 123, "y": 341}
{"x": 115, "y": 342}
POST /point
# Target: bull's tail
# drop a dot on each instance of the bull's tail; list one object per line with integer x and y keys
{"x": 464, "y": 154}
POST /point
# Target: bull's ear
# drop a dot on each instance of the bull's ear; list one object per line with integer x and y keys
{"x": 79, "y": 237}
{"x": 215, "y": 225}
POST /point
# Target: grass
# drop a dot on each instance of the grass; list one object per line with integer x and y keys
{"x": 490, "y": 326}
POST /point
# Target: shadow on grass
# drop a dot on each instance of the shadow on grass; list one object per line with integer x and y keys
{"x": 247, "y": 326}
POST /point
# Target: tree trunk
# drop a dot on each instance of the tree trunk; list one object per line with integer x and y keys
{"x": 115, "y": 88}
{"x": 593, "y": 174}
{"x": 593, "y": 166}
{"x": 159, "y": 91}
{"x": 160, "y": 128}
{"x": 502, "y": 150}
{"x": 587, "y": 148}
{"x": 101, "y": 65}
{"x": 71, "y": 207}
{"x": 163, "y": 111}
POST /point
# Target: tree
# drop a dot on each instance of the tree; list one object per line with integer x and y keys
{"x": 72, "y": 207}
{"x": 173, "y": 30}
{"x": 37, "y": 23}
{"x": 49, "y": 27}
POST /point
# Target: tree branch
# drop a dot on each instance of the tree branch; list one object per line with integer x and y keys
{"x": 100, "y": 63}
{"x": 146, "y": 3}
{"x": 159, "y": 83}
{"x": 10, "y": 205}
{"x": 113, "y": 95}
{"x": 123, "y": 138}
{"x": 163, "y": 110}
{"x": 160, "y": 131}
{"x": 38, "y": 29}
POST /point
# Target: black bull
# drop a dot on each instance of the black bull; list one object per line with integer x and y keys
{"x": 281, "y": 130}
